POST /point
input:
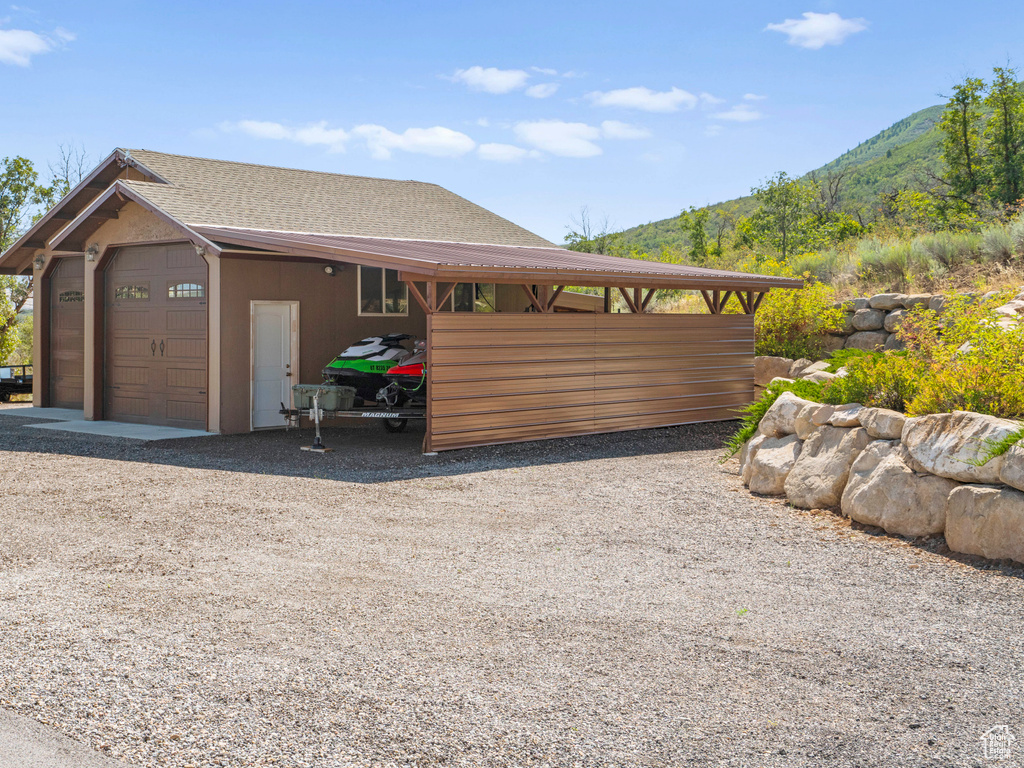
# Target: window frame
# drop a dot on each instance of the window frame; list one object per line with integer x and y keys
{"x": 134, "y": 287}
{"x": 192, "y": 287}
{"x": 383, "y": 293}
{"x": 449, "y": 303}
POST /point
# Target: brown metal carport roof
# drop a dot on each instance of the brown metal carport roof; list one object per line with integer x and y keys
{"x": 479, "y": 262}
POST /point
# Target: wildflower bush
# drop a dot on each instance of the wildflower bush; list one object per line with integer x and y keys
{"x": 969, "y": 358}
{"x": 794, "y": 323}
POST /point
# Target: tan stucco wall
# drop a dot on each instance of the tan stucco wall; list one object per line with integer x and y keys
{"x": 328, "y": 323}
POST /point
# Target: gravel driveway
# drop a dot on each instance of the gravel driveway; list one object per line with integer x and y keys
{"x": 614, "y": 600}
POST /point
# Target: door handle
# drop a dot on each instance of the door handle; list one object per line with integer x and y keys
{"x": 289, "y": 373}
{"x": 161, "y": 347}
{"x": 152, "y": 346}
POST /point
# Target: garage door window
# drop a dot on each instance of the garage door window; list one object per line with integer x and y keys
{"x": 381, "y": 292}
{"x": 186, "y": 291}
{"x": 70, "y": 297}
{"x": 131, "y": 292}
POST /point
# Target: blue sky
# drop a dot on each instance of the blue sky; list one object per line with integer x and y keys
{"x": 531, "y": 109}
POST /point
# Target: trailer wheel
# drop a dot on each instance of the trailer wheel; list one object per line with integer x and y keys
{"x": 5, "y": 396}
{"x": 395, "y": 425}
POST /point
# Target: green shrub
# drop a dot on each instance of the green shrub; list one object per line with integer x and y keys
{"x": 793, "y": 323}
{"x": 997, "y": 245}
{"x": 753, "y": 413}
{"x": 1017, "y": 236}
{"x": 876, "y": 379}
{"x": 841, "y": 357}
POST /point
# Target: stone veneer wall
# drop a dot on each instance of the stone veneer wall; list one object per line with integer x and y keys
{"x": 910, "y": 476}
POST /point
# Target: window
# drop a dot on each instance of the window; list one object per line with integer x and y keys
{"x": 185, "y": 291}
{"x": 381, "y": 292}
{"x": 130, "y": 292}
{"x": 68, "y": 297}
{"x": 471, "y": 297}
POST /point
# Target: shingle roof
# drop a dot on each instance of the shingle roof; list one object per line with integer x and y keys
{"x": 222, "y": 193}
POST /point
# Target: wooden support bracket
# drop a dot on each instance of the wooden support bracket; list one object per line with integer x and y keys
{"x": 533, "y": 299}
{"x": 415, "y": 293}
{"x": 554, "y": 297}
{"x": 708, "y": 301}
{"x": 629, "y": 300}
{"x": 757, "y": 301}
{"x": 647, "y": 299}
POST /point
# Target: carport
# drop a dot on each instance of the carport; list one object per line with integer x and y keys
{"x": 535, "y": 374}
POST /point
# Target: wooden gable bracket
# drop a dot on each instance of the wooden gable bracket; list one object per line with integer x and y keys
{"x": 710, "y": 301}
{"x": 724, "y": 301}
{"x": 744, "y": 300}
{"x": 757, "y": 301}
{"x": 417, "y": 296}
{"x": 629, "y": 300}
{"x": 647, "y": 299}
{"x": 554, "y": 298}
{"x": 444, "y": 296}
{"x": 537, "y": 306}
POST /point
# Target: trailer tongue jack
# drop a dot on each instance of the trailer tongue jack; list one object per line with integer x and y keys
{"x": 317, "y": 414}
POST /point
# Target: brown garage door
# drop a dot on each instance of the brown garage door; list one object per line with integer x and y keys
{"x": 67, "y": 333}
{"x": 155, "y": 370}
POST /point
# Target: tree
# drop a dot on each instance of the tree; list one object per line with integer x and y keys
{"x": 694, "y": 225}
{"x": 961, "y": 144}
{"x": 583, "y": 235}
{"x": 68, "y": 170}
{"x": 1004, "y": 136}
{"x": 781, "y": 218}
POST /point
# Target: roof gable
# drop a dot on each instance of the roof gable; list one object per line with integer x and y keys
{"x": 205, "y": 192}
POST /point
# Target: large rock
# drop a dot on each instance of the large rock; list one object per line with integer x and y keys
{"x": 830, "y": 344}
{"x": 868, "y": 319}
{"x": 819, "y": 475}
{"x": 821, "y": 365}
{"x": 847, "y": 415}
{"x": 767, "y": 368}
{"x": 780, "y": 419}
{"x": 987, "y": 521}
{"x": 882, "y": 490}
{"x": 883, "y": 424}
{"x": 798, "y": 367}
{"x": 917, "y": 300}
{"x": 747, "y": 453}
{"x": 867, "y": 340}
{"x": 937, "y": 303}
{"x": 894, "y": 320}
{"x": 886, "y": 301}
{"x": 894, "y": 342}
{"x": 819, "y": 377}
{"x": 1012, "y": 471}
{"x": 772, "y": 463}
{"x": 847, "y": 325}
{"x": 947, "y": 444}
{"x": 804, "y": 423}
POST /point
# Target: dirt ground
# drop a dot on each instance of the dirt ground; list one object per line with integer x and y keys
{"x": 612, "y": 600}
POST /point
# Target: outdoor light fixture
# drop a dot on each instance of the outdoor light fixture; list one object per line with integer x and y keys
{"x": 330, "y": 270}
{"x": 200, "y": 251}
{"x": 39, "y": 261}
{"x": 92, "y": 252}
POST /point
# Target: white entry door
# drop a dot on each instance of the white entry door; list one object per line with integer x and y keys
{"x": 275, "y": 360}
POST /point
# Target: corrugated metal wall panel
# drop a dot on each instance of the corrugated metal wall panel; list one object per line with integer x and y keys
{"x": 505, "y": 378}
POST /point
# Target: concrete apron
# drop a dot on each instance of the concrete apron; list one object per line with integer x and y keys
{"x": 67, "y": 420}
{"x": 24, "y": 743}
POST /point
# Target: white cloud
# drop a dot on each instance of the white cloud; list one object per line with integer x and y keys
{"x": 613, "y": 129}
{"x": 491, "y": 79}
{"x": 437, "y": 141}
{"x": 560, "y": 138}
{"x": 483, "y": 122}
{"x": 313, "y": 134}
{"x": 505, "y": 153}
{"x": 542, "y": 90}
{"x": 713, "y": 130}
{"x": 544, "y": 71}
{"x": 644, "y": 99}
{"x": 709, "y": 100}
{"x": 741, "y": 113}
{"x": 18, "y": 46}
{"x": 753, "y": 97}
{"x": 816, "y": 30}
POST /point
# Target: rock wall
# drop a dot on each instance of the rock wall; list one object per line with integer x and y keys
{"x": 910, "y": 476}
{"x": 871, "y": 323}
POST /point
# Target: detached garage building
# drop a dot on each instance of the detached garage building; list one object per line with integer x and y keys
{"x": 192, "y": 293}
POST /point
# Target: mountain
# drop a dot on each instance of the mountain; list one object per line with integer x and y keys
{"x": 900, "y": 156}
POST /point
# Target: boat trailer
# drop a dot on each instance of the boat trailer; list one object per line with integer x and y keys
{"x": 394, "y": 419}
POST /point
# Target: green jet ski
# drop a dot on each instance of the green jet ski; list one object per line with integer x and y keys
{"x": 364, "y": 364}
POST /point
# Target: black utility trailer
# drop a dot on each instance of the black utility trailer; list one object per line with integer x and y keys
{"x": 15, "y": 380}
